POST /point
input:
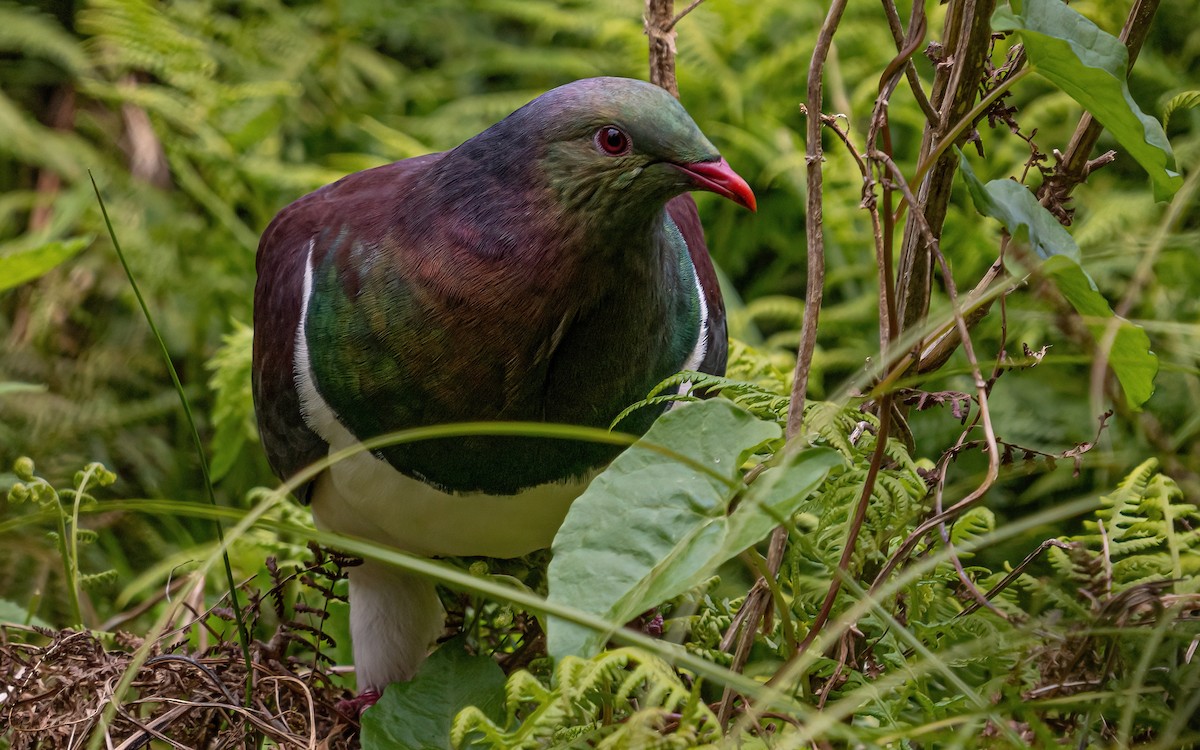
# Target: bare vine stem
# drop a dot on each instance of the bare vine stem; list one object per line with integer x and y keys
{"x": 966, "y": 37}
{"x": 906, "y": 44}
{"x": 814, "y": 219}
{"x": 856, "y": 524}
{"x": 910, "y": 70}
{"x": 958, "y": 129}
{"x": 981, "y": 390}
{"x": 880, "y": 235}
{"x": 756, "y": 603}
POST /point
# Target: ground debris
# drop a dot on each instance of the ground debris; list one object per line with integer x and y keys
{"x": 54, "y": 694}
{"x": 57, "y": 685}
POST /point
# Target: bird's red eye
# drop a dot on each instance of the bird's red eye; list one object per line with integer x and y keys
{"x": 612, "y": 141}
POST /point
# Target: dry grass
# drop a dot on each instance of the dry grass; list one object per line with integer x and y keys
{"x": 55, "y": 686}
{"x": 53, "y": 696}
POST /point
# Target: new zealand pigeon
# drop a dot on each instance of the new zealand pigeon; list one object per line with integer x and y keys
{"x": 550, "y": 269}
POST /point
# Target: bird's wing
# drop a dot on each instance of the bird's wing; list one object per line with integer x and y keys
{"x": 283, "y": 254}
{"x": 682, "y": 210}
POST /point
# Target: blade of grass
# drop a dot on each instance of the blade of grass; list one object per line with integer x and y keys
{"x": 243, "y": 634}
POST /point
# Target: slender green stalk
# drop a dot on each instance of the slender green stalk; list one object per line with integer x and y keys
{"x": 73, "y": 578}
{"x": 70, "y": 565}
{"x": 244, "y": 635}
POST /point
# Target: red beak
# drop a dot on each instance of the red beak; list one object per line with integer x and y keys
{"x": 718, "y": 177}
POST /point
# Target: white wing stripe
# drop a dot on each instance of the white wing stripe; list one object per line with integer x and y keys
{"x": 317, "y": 413}
{"x": 697, "y": 355}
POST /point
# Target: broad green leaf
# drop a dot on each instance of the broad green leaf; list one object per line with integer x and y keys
{"x": 1012, "y": 204}
{"x": 652, "y": 526}
{"x": 26, "y": 265}
{"x": 417, "y": 715}
{"x": 1017, "y": 209}
{"x": 1184, "y": 100}
{"x": 1091, "y": 66}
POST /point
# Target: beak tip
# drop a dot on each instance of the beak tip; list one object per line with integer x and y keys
{"x": 718, "y": 177}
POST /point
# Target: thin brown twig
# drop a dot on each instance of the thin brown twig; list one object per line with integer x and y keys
{"x": 856, "y": 524}
{"x": 976, "y": 314}
{"x": 843, "y": 657}
{"x": 890, "y": 78}
{"x": 812, "y": 305}
{"x": 945, "y": 342}
{"x": 910, "y": 70}
{"x": 679, "y": 16}
{"x": 880, "y": 235}
{"x": 814, "y": 224}
{"x": 981, "y": 599}
{"x": 1016, "y": 572}
{"x": 981, "y": 389}
{"x": 1072, "y": 169}
{"x": 889, "y": 326}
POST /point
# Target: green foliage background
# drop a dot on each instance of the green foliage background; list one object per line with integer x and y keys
{"x": 200, "y": 119}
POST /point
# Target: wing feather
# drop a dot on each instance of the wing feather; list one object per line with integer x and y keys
{"x": 282, "y": 254}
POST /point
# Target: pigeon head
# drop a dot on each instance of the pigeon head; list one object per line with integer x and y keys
{"x": 609, "y": 146}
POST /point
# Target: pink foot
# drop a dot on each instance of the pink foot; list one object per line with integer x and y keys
{"x": 353, "y": 707}
{"x": 649, "y": 622}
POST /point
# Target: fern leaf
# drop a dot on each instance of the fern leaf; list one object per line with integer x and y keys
{"x": 618, "y": 698}
{"x": 31, "y": 33}
{"x": 1184, "y": 100}
{"x": 233, "y": 411}
{"x": 971, "y": 526}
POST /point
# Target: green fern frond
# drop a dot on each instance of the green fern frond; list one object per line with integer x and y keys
{"x": 1144, "y": 532}
{"x": 652, "y": 401}
{"x": 134, "y": 35}
{"x": 768, "y": 369}
{"x": 972, "y": 526}
{"x": 26, "y": 31}
{"x": 763, "y": 403}
{"x": 1150, "y": 529}
{"x": 1181, "y": 101}
{"x": 96, "y": 580}
{"x": 233, "y": 409}
{"x": 776, "y": 312}
{"x": 612, "y": 698}
{"x": 86, "y": 536}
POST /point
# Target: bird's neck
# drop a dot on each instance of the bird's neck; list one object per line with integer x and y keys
{"x": 521, "y": 215}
